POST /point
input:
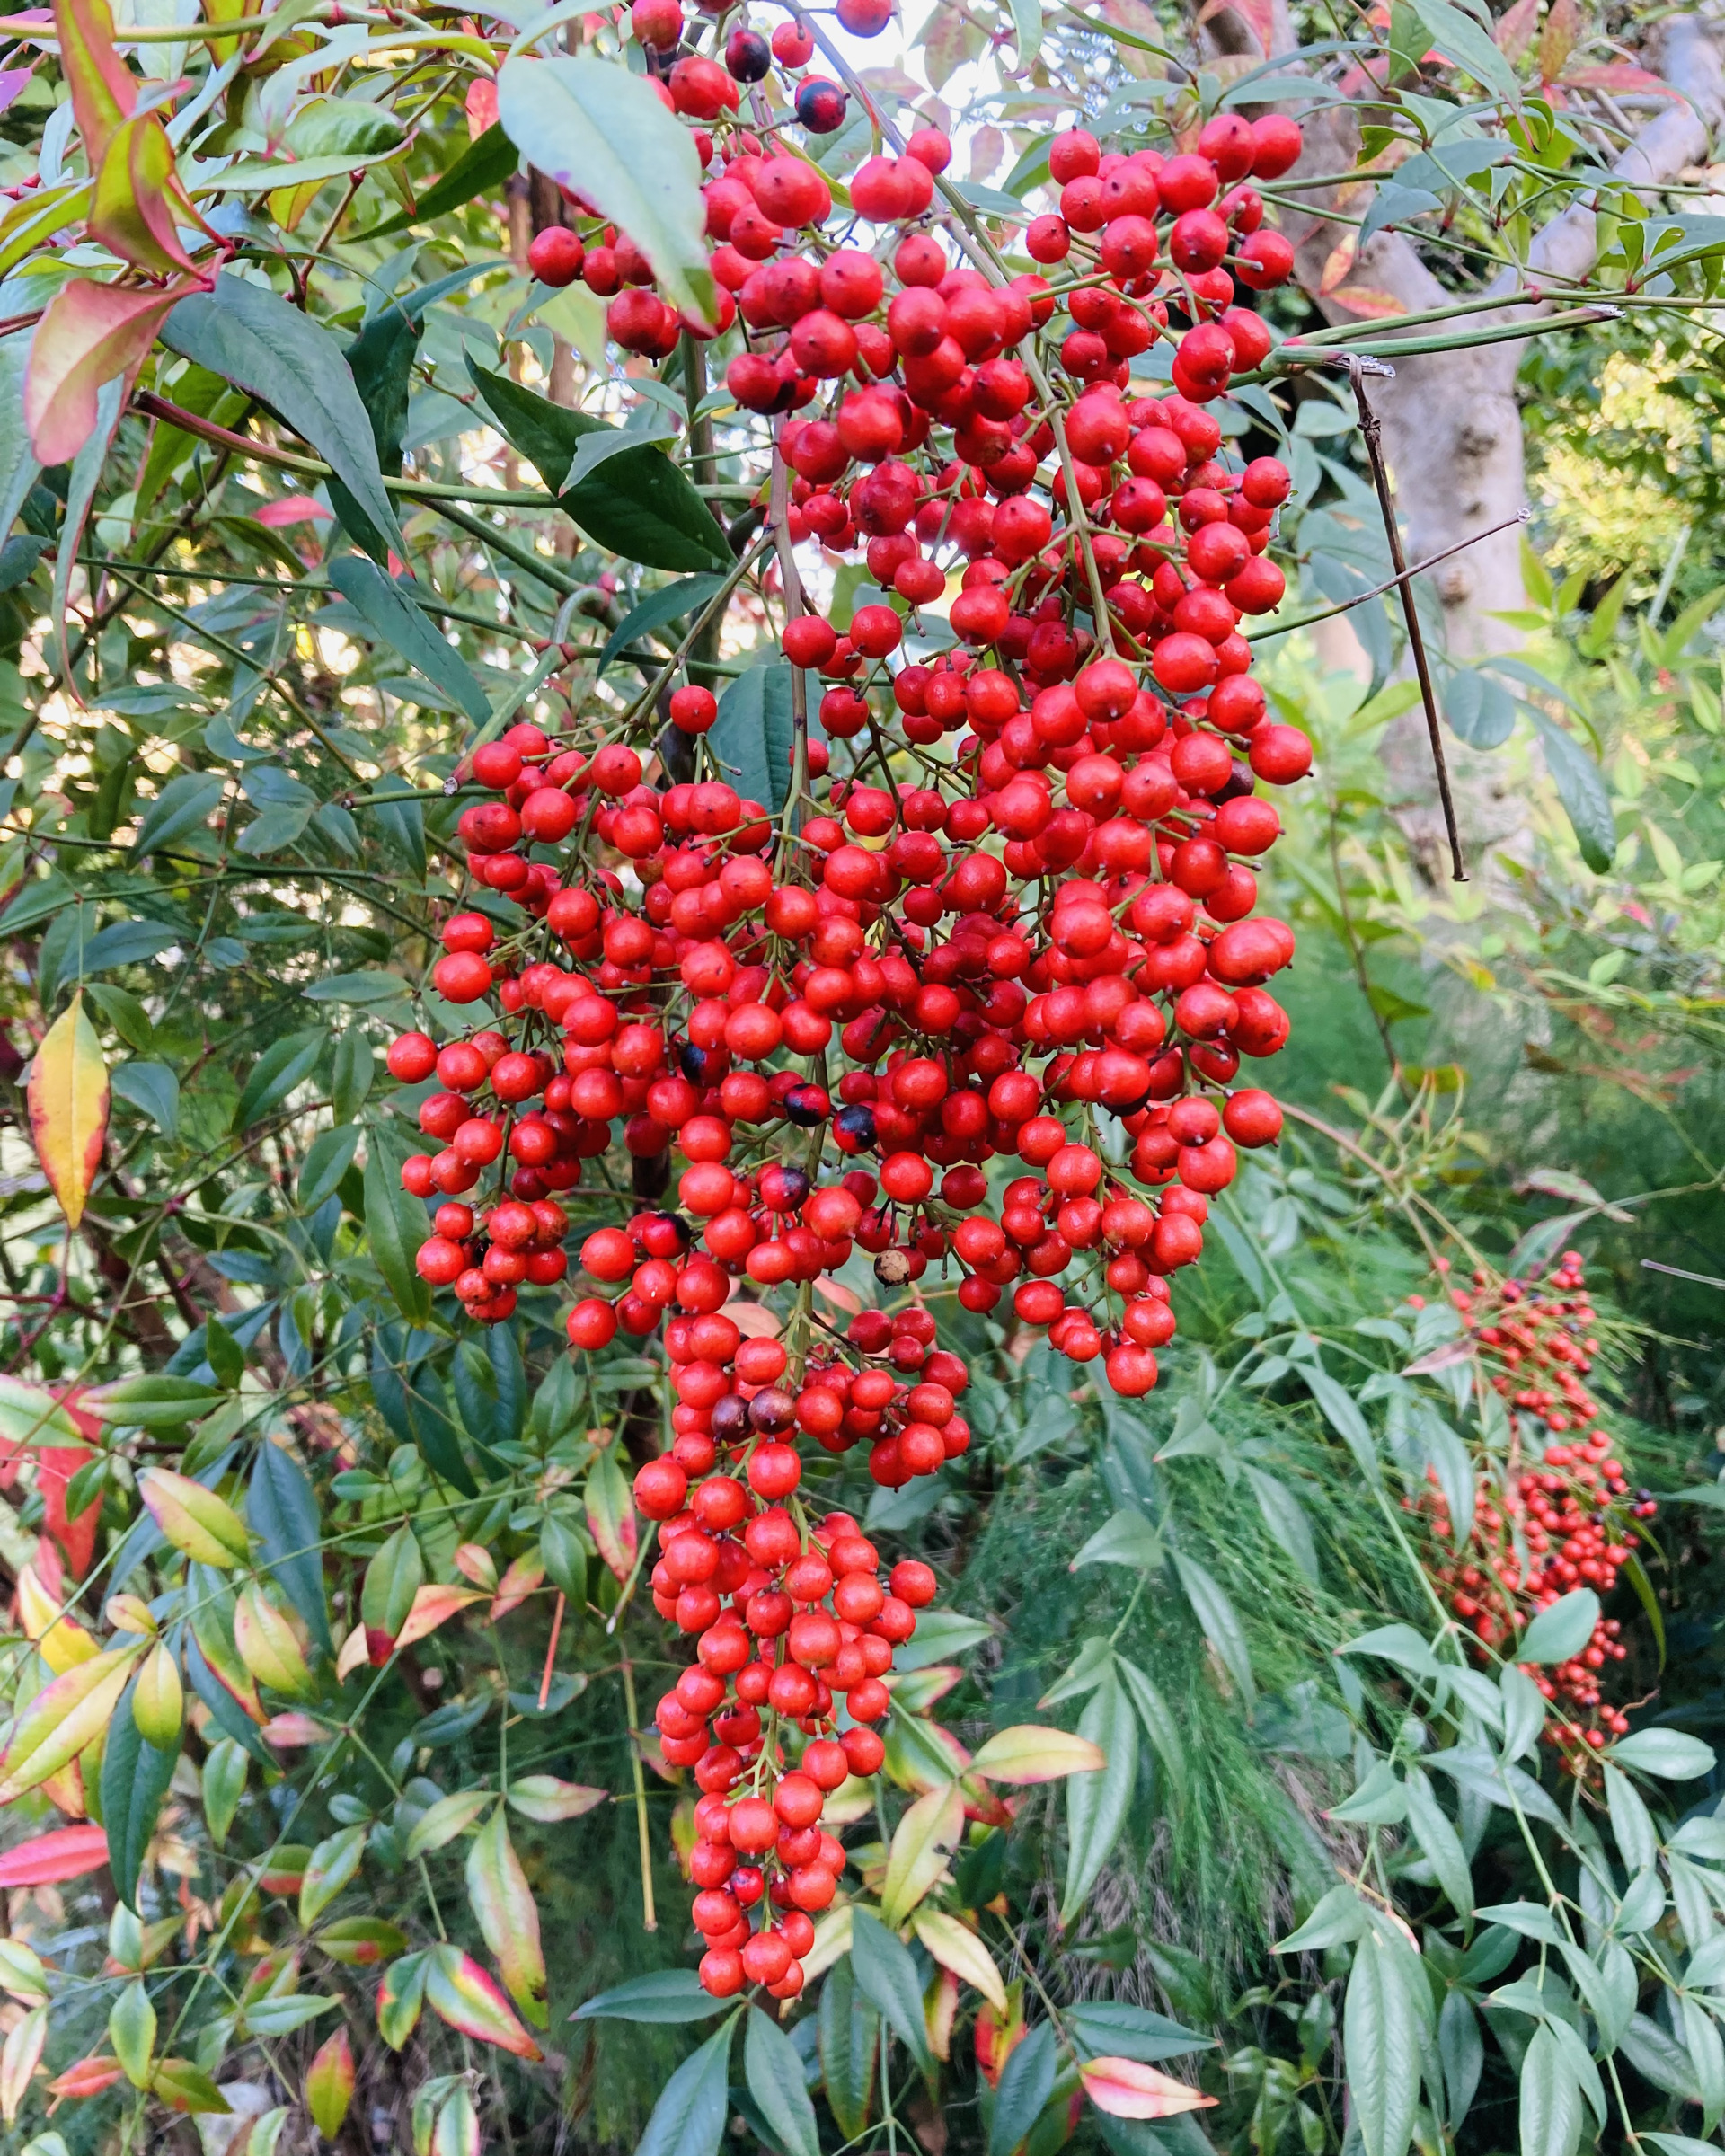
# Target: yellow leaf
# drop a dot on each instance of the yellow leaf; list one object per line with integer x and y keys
{"x": 958, "y": 1948}
{"x": 921, "y": 1842}
{"x": 1368, "y": 299}
{"x": 69, "y": 1080}
{"x": 832, "y": 1943}
{"x": 61, "y": 1721}
{"x": 1338, "y": 263}
{"x": 1026, "y": 1753}
{"x": 1125, "y": 2090}
{"x": 268, "y": 1645}
{"x": 353, "y": 1655}
{"x": 61, "y": 1643}
{"x": 433, "y": 1606}
{"x": 194, "y": 1519}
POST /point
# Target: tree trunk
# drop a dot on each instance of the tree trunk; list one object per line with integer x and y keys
{"x": 1452, "y": 427}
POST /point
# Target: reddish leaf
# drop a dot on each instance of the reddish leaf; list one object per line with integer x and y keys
{"x": 105, "y": 91}
{"x": 89, "y": 333}
{"x": 67, "y": 1853}
{"x": 1515, "y": 30}
{"x": 57, "y": 1465}
{"x": 139, "y": 201}
{"x": 1125, "y": 2089}
{"x": 467, "y": 1998}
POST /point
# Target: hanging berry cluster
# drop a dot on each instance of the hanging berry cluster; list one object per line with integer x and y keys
{"x": 1557, "y": 1525}
{"x": 1011, "y": 917}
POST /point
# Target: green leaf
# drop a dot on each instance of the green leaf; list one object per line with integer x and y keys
{"x": 667, "y": 1996}
{"x": 1461, "y": 2051}
{"x": 1113, "y": 2028}
{"x": 885, "y": 1971}
{"x": 1561, "y": 1630}
{"x": 1097, "y": 1802}
{"x": 131, "y": 2031}
{"x": 1581, "y": 787}
{"x": 392, "y": 1578}
{"x": 224, "y": 1784}
{"x": 773, "y": 2067}
{"x": 153, "y": 1088}
{"x": 1285, "y": 1516}
{"x": 1383, "y": 2050}
{"x": 184, "y": 804}
{"x": 251, "y": 337}
{"x": 1157, "y": 1716}
{"x": 1342, "y": 1412}
{"x": 640, "y": 506}
{"x": 379, "y": 986}
{"x": 1439, "y": 1844}
{"x": 1128, "y": 1539}
{"x": 753, "y": 735}
{"x": 687, "y": 596}
{"x": 849, "y": 2040}
{"x": 395, "y": 1227}
{"x": 1551, "y": 2101}
{"x": 1220, "y": 1621}
{"x": 1027, "y": 22}
{"x": 332, "y": 1863}
{"x": 1026, "y": 2084}
{"x": 388, "y": 608}
{"x": 689, "y": 2117}
{"x": 482, "y": 168}
{"x": 355, "y": 1067}
{"x": 328, "y": 1159}
{"x": 1466, "y": 43}
{"x": 602, "y": 133}
{"x": 283, "y": 1065}
{"x": 1667, "y": 1753}
{"x": 134, "y": 1778}
{"x": 400, "y": 1998}
{"x": 281, "y": 1511}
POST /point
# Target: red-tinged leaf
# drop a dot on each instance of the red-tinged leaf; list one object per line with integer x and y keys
{"x": 139, "y": 201}
{"x": 56, "y": 1466}
{"x": 1125, "y": 2089}
{"x": 509, "y": 1918}
{"x": 474, "y": 1562}
{"x": 329, "y": 2084}
{"x": 400, "y": 1997}
{"x": 69, "y": 1080}
{"x": 1620, "y": 76}
{"x": 86, "y": 2077}
{"x": 292, "y": 509}
{"x": 66, "y": 1853}
{"x": 1257, "y": 15}
{"x": 1025, "y": 1753}
{"x": 105, "y": 91}
{"x": 1557, "y": 40}
{"x": 467, "y": 1998}
{"x": 1368, "y": 300}
{"x": 288, "y": 1732}
{"x": 544, "y": 1798}
{"x": 525, "y": 1577}
{"x": 1338, "y": 263}
{"x": 611, "y": 1513}
{"x": 1514, "y": 33}
{"x": 89, "y": 333}
{"x": 433, "y": 1606}
{"x": 185, "y": 2088}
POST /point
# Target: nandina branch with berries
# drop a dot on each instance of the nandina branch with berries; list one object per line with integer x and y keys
{"x": 826, "y": 1059}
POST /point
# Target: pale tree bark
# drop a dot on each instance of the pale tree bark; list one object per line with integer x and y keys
{"x": 1452, "y": 428}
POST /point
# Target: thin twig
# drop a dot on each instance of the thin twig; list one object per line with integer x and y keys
{"x": 551, "y": 1650}
{"x": 1368, "y": 428}
{"x": 1307, "y": 620}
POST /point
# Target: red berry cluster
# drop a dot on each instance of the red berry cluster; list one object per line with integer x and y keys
{"x": 1566, "y": 1514}
{"x": 808, "y": 1624}
{"x": 1010, "y": 914}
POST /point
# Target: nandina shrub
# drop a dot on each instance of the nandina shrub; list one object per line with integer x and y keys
{"x": 741, "y": 1073}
